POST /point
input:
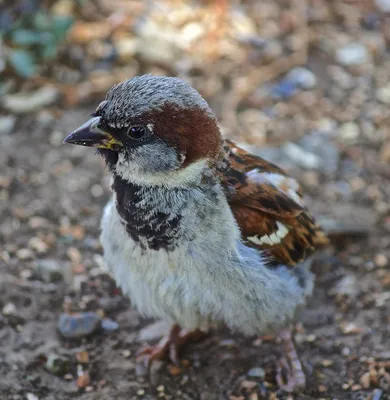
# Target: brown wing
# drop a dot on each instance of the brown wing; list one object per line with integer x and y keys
{"x": 268, "y": 207}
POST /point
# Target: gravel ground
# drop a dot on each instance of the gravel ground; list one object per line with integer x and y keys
{"x": 311, "y": 94}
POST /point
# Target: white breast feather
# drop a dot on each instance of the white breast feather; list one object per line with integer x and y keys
{"x": 211, "y": 279}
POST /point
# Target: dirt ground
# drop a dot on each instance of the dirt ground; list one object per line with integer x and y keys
{"x": 309, "y": 78}
{"x": 52, "y": 199}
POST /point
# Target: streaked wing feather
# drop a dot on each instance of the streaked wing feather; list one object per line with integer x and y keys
{"x": 268, "y": 207}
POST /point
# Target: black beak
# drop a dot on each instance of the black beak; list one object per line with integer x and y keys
{"x": 90, "y": 135}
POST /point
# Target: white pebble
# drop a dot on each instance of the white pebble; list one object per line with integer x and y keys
{"x": 302, "y": 77}
{"x": 383, "y": 94}
{"x": 352, "y": 54}
{"x": 349, "y": 131}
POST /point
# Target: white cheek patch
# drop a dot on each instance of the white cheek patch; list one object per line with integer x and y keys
{"x": 286, "y": 185}
{"x": 273, "y": 239}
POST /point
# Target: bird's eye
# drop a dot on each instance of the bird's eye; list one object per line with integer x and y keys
{"x": 137, "y": 132}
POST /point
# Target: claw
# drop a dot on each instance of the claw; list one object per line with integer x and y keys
{"x": 169, "y": 346}
{"x": 289, "y": 373}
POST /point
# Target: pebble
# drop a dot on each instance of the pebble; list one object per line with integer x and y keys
{"x": 22, "y": 103}
{"x": 50, "y": 271}
{"x": 347, "y": 286}
{"x": 57, "y": 365}
{"x": 349, "y": 131}
{"x": 302, "y": 78}
{"x": 24, "y": 254}
{"x": 38, "y": 245}
{"x": 271, "y": 51}
{"x": 82, "y": 357}
{"x": 78, "y": 325}
{"x": 352, "y": 54}
{"x": 381, "y": 260}
{"x": 383, "y": 5}
{"x": 327, "y": 126}
{"x": 284, "y": 90}
{"x": 83, "y": 380}
{"x": 256, "y": 372}
{"x": 300, "y": 156}
{"x": 9, "y": 309}
{"x": 31, "y": 396}
{"x": 383, "y": 94}
{"x": 323, "y": 149}
{"x": 126, "y": 48}
{"x": 7, "y": 123}
{"x": 109, "y": 325}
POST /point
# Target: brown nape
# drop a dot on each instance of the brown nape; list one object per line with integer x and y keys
{"x": 193, "y": 132}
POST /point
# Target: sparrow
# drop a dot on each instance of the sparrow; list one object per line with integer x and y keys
{"x": 199, "y": 232}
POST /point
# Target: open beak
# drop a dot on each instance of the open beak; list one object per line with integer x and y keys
{"x": 90, "y": 135}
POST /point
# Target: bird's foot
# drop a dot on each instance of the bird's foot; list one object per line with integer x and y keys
{"x": 169, "y": 346}
{"x": 289, "y": 373}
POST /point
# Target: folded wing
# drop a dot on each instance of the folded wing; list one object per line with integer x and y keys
{"x": 268, "y": 206}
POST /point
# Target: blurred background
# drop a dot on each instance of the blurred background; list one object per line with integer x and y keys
{"x": 303, "y": 83}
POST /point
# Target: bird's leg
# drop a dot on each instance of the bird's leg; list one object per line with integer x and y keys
{"x": 170, "y": 345}
{"x": 289, "y": 374}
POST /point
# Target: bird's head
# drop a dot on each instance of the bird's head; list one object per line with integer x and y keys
{"x": 153, "y": 130}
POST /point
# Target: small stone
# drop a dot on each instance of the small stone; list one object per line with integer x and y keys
{"x": 126, "y": 48}
{"x": 311, "y": 338}
{"x": 383, "y": 94}
{"x": 97, "y": 191}
{"x": 38, "y": 222}
{"x": 174, "y": 370}
{"x": 302, "y": 77}
{"x": 352, "y": 54}
{"x": 9, "y": 309}
{"x": 383, "y": 5}
{"x": 57, "y": 365}
{"x": 283, "y": 90}
{"x": 24, "y": 254}
{"x": 109, "y": 325}
{"x": 347, "y": 286}
{"x": 21, "y": 103}
{"x": 38, "y": 245}
{"x": 82, "y": 357}
{"x": 271, "y": 51}
{"x": 365, "y": 380}
{"x": 228, "y": 343}
{"x": 83, "y": 380}
{"x": 78, "y": 325}
{"x": 140, "y": 392}
{"x": 7, "y": 123}
{"x": 350, "y": 328}
{"x": 349, "y": 131}
{"x": 52, "y": 271}
{"x": 326, "y": 363}
{"x": 31, "y": 396}
{"x": 126, "y": 353}
{"x": 300, "y": 156}
{"x": 256, "y": 372}
{"x": 381, "y": 260}
{"x": 327, "y": 126}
